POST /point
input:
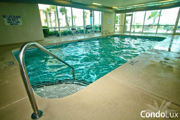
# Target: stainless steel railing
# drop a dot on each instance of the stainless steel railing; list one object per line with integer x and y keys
{"x": 106, "y": 32}
{"x": 37, "y": 113}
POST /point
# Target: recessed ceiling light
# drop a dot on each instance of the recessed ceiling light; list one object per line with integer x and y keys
{"x": 138, "y": 5}
{"x": 63, "y": 1}
{"x": 165, "y": 1}
{"x": 115, "y": 7}
{"x": 96, "y": 4}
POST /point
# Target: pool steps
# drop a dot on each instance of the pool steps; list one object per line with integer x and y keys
{"x": 37, "y": 113}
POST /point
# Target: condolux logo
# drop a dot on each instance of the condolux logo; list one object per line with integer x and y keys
{"x": 161, "y": 111}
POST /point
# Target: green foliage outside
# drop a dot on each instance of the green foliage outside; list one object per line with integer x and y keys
{"x": 63, "y": 11}
{"x": 117, "y": 17}
{"x": 51, "y": 33}
{"x": 85, "y": 17}
{"x": 154, "y": 15}
{"x": 138, "y": 25}
{"x": 66, "y": 32}
{"x": 45, "y": 31}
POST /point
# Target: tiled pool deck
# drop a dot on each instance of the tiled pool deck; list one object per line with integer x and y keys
{"x": 120, "y": 95}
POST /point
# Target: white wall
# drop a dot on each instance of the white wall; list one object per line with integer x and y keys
{"x": 31, "y": 29}
{"x": 108, "y": 26}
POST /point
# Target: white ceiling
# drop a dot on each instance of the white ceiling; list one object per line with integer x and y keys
{"x": 117, "y": 3}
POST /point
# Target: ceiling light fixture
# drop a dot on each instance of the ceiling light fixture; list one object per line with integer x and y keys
{"x": 96, "y": 4}
{"x": 165, "y": 1}
{"x": 138, "y": 5}
{"x": 115, "y": 7}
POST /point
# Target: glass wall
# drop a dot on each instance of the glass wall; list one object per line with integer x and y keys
{"x": 97, "y": 21}
{"x": 153, "y": 21}
{"x": 137, "y": 23}
{"x": 117, "y": 22}
{"x": 64, "y": 16}
{"x": 168, "y": 20}
{"x": 78, "y": 21}
{"x": 128, "y": 23}
{"x": 88, "y": 17}
{"x": 77, "y": 17}
{"x": 67, "y": 21}
{"x": 88, "y": 21}
{"x": 48, "y": 20}
{"x": 178, "y": 27}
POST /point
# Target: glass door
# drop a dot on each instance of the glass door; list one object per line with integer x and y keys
{"x": 128, "y": 21}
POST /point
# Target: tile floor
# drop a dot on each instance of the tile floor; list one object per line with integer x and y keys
{"x": 120, "y": 95}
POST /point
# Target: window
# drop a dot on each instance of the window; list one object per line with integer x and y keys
{"x": 64, "y": 14}
{"x": 48, "y": 15}
{"x": 97, "y": 18}
{"x": 152, "y": 17}
{"x": 178, "y": 27}
{"x": 88, "y": 19}
{"x": 138, "y": 18}
{"x": 77, "y": 17}
{"x": 137, "y": 23}
{"x": 151, "y": 21}
{"x": 128, "y": 23}
{"x": 117, "y": 22}
{"x": 167, "y": 20}
{"x": 97, "y": 21}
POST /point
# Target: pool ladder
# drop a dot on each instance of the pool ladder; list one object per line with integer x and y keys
{"x": 106, "y": 32}
{"x": 37, "y": 113}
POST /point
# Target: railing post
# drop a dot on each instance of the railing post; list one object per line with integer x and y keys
{"x": 37, "y": 113}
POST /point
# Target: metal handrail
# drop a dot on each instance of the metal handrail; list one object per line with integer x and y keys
{"x": 106, "y": 32}
{"x": 37, "y": 113}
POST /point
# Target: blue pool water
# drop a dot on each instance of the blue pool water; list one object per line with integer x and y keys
{"x": 91, "y": 59}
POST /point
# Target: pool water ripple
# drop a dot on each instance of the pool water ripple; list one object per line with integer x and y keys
{"x": 91, "y": 59}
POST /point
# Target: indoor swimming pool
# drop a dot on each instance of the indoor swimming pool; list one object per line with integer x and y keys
{"x": 91, "y": 59}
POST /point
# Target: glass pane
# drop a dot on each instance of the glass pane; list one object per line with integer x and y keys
{"x": 97, "y": 28}
{"x": 88, "y": 17}
{"x": 178, "y": 27}
{"x": 117, "y": 22}
{"x": 48, "y": 15}
{"x": 78, "y": 31}
{"x": 128, "y": 23}
{"x": 138, "y": 18}
{"x": 116, "y": 27}
{"x": 88, "y": 29}
{"x": 97, "y": 18}
{"x": 64, "y": 16}
{"x": 150, "y": 28}
{"x": 77, "y": 17}
{"x": 165, "y": 29}
{"x": 53, "y": 21}
{"x": 119, "y": 28}
{"x": 168, "y": 16}
{"x": 43, "y": 18}
{"x": 97, "y": 21}
{"x": 137, "y": 28}
{"x": 152, "y": 17}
